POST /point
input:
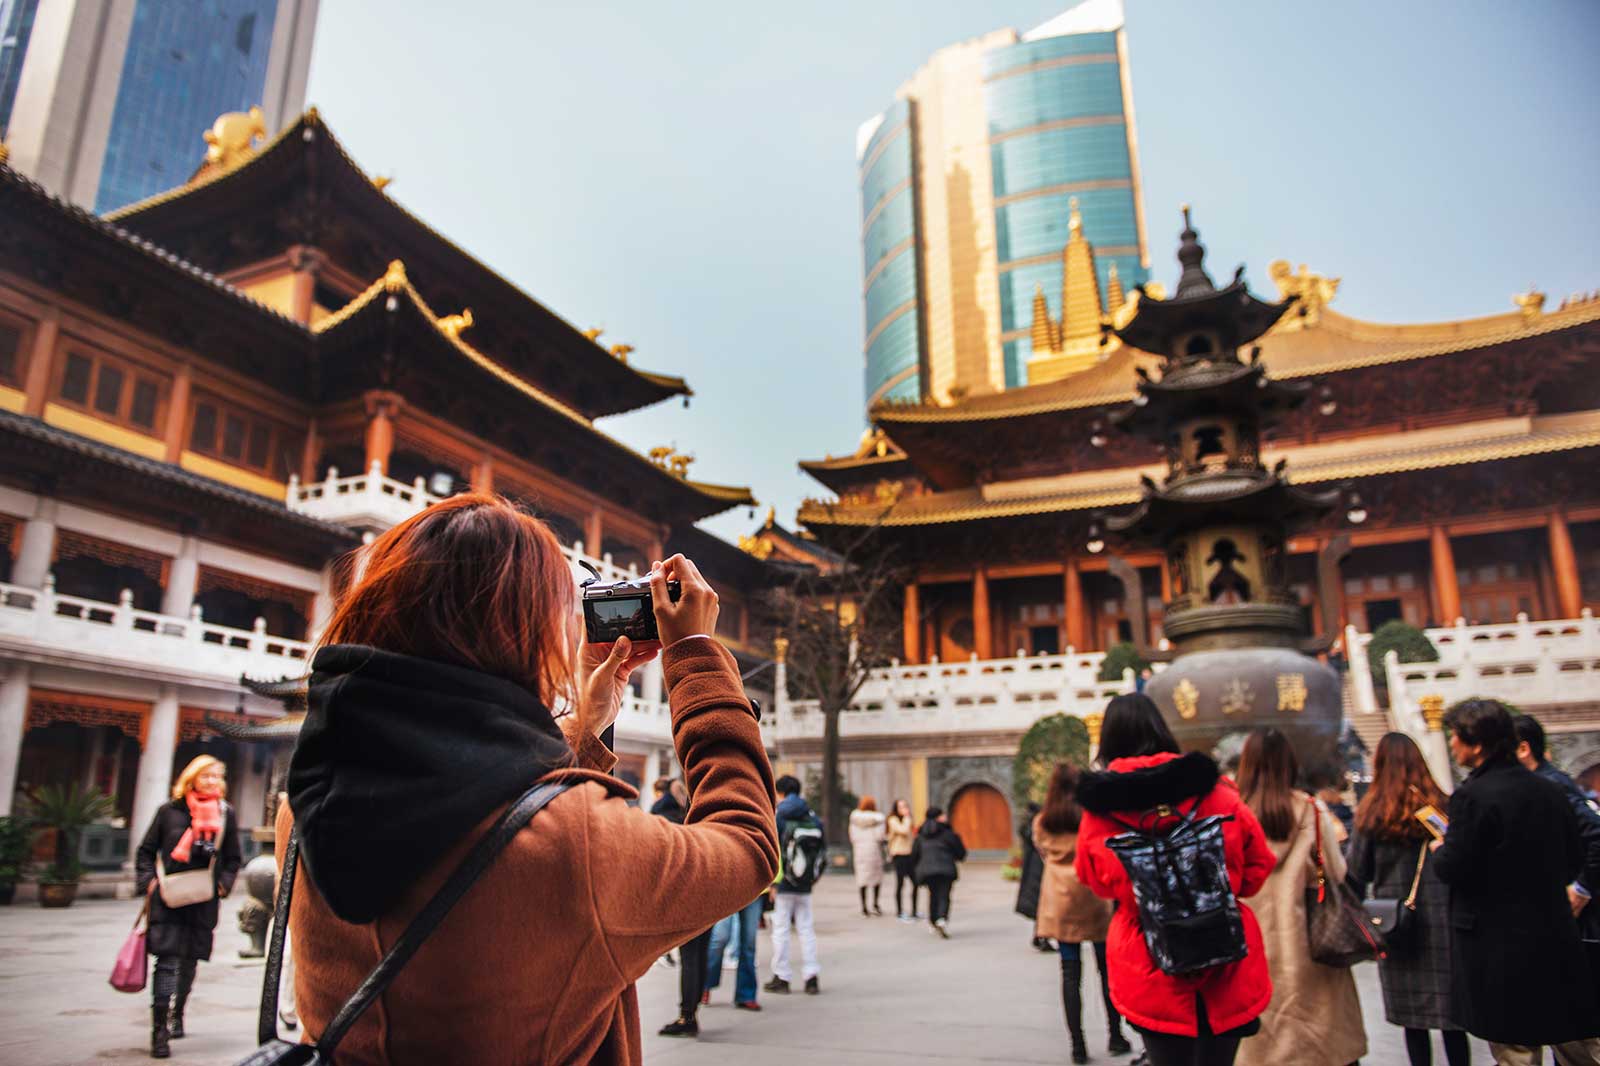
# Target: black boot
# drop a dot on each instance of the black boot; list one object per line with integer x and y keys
{"x": 1072, "y": 1005}
{"x": 159, "y": 1048}
{"x": 185, "y": 983}
{"x": 1118, "y": 1044}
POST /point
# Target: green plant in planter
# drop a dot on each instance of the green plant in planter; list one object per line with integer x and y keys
{"x": 66, "y": 810}
{"x": 1412, "y": 644}
{"x": 16, "y": 845}
{"x": 1118, "y": 658}
{"x": 1052, "y": 739}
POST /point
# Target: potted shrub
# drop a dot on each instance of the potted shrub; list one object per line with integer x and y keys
{"x": 1411, "y": 643}
{"x": 1119, "y": 657}
{"x": 16, "y": 844}
{"x": 65, "y": 810}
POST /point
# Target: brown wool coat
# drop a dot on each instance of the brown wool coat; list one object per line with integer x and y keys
{"x": 537, "y": 962}
{"x": 1068, "y": 911}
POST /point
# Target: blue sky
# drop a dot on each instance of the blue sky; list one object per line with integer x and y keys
{"x": 683, "y": 174}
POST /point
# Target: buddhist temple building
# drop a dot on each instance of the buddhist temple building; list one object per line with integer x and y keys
{"x": 210, "y": 398}
{"x": 1465, "y": 452}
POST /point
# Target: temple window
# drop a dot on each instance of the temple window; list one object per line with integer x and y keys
{"x": 112, "y": 389}
{"x": 243, "y": 438}
{"x": 94, "y": 569}
{"x": 237, "y": 600}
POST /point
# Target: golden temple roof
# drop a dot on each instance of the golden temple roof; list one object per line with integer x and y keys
{"x": 1338, "y": 460}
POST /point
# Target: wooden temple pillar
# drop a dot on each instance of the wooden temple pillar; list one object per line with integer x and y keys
{"x": 1446, "y": 587}
{"x": 594, "y": 531}
{"x": 41, "y": 363}
{"x": 982, "y": 624}
{"x": 482, "y": 476}
{"x": 306, "y": 263}
{"x": 178, "y": 412}
{"x": 1564, "y": 563}
{"x": 381, "y": 410}
{"x": 913, "y": 625}
{"x": 1077, "y": 631}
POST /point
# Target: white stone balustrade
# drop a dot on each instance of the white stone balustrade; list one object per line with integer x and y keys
{"x": 368, "y": 500}
{"x": 42, "y": 625}
{"x": 978, "y": 695}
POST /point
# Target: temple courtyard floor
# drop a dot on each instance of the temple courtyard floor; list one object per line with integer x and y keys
{"x": 891, "y": 993}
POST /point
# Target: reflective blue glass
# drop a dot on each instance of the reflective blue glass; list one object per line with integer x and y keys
{"x": 892, "y": 116}
{"x": 909, "y": 389}
{"x": 894, "y": 350}
{"x": 1052, "y": 94}
{"x": 890, "y": 169}
{"x": 1000, "y": 60}
{"x": 894, "y": 225}
{"x": 188, "y": 61}
{"x": 894, "y": 286}
{"x": 1038, "y": 226}
{"x": 1017, "y": 352}
{"x": 16, "y": 26}
{"x": 1056, "y": 157}
{"x": 1017, "y": 286}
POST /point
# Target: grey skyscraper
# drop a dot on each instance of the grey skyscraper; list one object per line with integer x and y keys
{"x": 104, "y": 101}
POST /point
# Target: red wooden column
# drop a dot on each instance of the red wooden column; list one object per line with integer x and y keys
{"x": 41, "y": 363}
{"x": 1564, "y": 561}
{"x": 913, "y": 625}
{"x": 1446, "y": 589}
{"x": 178, "y": 412}
{"x": 381, "y": 409}
{"x": 1077, "y": 634}
{"x": 982, "y": 625}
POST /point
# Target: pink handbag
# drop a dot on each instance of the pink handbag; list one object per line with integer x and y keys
{"x": 128, "y": 975}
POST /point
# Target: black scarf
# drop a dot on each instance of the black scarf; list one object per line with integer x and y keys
{"x": 398, "y": 759}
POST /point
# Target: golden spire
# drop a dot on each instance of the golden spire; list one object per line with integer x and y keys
{"x": 1080, "y": 286}
{"x": 1074, "y": 219}
{"x": 1044, "y": 327}
{"x": 452, "y": 325}
{"x": 1114, "y": 295}
{"x": 394, "y": 279}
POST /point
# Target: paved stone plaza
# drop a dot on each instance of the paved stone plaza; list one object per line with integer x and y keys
{"x": 891, "y": 993}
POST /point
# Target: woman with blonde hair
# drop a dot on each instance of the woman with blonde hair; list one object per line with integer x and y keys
{"x": 901, "y": 832}
{"x": 197, "y": 831}
{"x": 450, "y": 682}
{"x": 866, "y": 850}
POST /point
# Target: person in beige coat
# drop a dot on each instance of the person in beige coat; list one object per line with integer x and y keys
{"x": 1315, "y": 1015}
{"x": 900, "y": 832}
{"x": 866, "y": 850}
{"x": 1069, "y": 913}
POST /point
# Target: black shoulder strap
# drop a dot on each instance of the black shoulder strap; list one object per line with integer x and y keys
{"x": 478, "y": 860}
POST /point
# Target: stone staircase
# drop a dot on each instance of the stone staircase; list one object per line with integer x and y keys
{"x": 1370, "y": 727}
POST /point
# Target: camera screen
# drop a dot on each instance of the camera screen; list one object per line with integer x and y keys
{"x": 619, "y": 610}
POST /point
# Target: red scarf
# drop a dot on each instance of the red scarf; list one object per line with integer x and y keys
{"x": 205, "y": 822}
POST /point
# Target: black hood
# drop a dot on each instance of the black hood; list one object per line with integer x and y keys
{"x": 932, "y": 828}
{"x": 1139, "y": 789}
{"x": 398, "y": 759}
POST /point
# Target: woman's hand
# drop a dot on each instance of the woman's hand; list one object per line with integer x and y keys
{"x": 695, "y": 613}
{"x": 603, "y": 671}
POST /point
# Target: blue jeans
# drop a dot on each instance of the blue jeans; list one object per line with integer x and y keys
{"x": 748, "y": 924}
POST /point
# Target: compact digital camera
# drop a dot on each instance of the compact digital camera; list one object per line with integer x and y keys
{"x": 621, "y": 608}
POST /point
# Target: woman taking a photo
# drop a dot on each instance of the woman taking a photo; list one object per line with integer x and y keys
{"x": 1315, "y": 1016}
{"x": 1389, "y": 852}
{"x": 431, "y": 708}
{"x": 900, "y": 833}
{"x": 196, "y": 831}
{"x": 1193, "y": 1019}
{"x": 1069, "y": 912}
{"x": 866, "y": 851}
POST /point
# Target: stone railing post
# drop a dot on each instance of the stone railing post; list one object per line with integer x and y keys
{"x": 258, "y": 636}
{"x": 292, "y": 496}
{"x": 1355, "y": 652}
{"x": 196, "y": 630}
{"x": 123, "y": 617}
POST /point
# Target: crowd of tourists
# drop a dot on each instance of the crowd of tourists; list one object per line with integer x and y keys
{"x": 452, "y": 765}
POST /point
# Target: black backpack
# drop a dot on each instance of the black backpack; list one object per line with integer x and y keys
{"x": 1187, "y": 908}
{"x": 805, "y": 853}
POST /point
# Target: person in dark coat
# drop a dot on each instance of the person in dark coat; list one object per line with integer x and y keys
{"x": 1580, "y": 894}
{"x": 1520, "y": 980}
{"x": 1032, "y": 877}
{"x": 934, "y": 855}
{"x": 667, "y": 804}
{"x": 196, "y": 831}
{"x": 1389, "y": 853}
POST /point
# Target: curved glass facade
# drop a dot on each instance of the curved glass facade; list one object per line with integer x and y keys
{"x": 889, "y": 259}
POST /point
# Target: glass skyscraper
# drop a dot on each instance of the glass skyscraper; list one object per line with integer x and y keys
{"x": 16, "y": 26}
{"x": 965, "y": 187}
{"x": 187, "y": 63}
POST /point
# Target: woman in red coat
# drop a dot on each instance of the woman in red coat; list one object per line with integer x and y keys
{"x": 1194, "y": 1018}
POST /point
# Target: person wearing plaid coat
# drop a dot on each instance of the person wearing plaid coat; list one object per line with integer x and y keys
{"x": 1416, "y": 973}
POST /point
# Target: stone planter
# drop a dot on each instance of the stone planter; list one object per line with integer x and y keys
{"x": 57, "y": 893}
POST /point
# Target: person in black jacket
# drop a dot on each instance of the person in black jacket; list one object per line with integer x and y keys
{"x": 935, "y": 854}
{"x": 1520, "y": 980}
{"x": 196, "y": 831}
{"x": 1580, "y": 894}
{"x": 1032, "y": 877}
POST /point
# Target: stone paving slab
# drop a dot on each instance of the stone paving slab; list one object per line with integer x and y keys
{"x": 892, "y": 993}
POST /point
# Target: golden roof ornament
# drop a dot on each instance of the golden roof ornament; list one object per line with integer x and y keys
{"x": 759, "y": 547}
{"x": 672, "y": 461}
{"x": 772, "y": 517}
{"x": 452, "y": 325}
{"x": 231, "y": 139}
{"x": 1314, "y": 292}
{"x": 593, "y": 334}
{"x": 5, "y": 153}
{"x": 1531, "y": 303}
{"x": 621, "y": 352}
{"x": 394, "y": 279}
{"x": 382, "y": 182}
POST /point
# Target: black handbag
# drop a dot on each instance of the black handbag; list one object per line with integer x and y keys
{"x": 276, "y": 1052}
{"x": 1395, "y": 919}
{"x": 1337, "y": 927}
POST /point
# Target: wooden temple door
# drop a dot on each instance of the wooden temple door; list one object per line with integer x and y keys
{"x": 983, "y": 818}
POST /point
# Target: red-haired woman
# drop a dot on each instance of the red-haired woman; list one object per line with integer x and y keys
{"x": 1315, "y": 1016}
{"x": 866, "y": 848}
{"x": 1069, "y": 913}
{"x": 433, "y": 705}
{"x": 196, "y": 831}
{"x": 1389, "y": 852}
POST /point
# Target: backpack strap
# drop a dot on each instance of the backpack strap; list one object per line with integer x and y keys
{"x": 482, "y": 855}
{"x": 1178, "y": 812}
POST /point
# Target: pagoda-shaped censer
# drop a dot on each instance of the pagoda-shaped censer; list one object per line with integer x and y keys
{"x": 1238, "y": 637}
